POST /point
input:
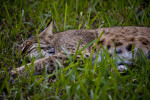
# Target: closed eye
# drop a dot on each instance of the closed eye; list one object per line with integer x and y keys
{"x": 51, "y": 51}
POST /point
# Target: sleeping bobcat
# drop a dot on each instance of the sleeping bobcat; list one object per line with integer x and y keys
{"x": 117, "y": 40}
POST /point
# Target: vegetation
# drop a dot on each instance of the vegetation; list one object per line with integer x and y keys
{"x": 20, "y": 19}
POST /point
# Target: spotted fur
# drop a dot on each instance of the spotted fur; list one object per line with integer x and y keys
{"x": 121, "y": 38}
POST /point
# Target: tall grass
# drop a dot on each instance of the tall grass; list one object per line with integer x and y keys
{"x": 19, "y": 19}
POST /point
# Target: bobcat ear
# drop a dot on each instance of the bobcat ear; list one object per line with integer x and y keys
{"x": 48, "y": 30}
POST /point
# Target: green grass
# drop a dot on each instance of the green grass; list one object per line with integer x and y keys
{"x": 20, "y": 19}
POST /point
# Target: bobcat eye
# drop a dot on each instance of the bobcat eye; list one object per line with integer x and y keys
{"x": 51, "y": 51}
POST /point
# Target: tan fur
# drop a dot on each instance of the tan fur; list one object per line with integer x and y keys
{"x": 121, "y": 37}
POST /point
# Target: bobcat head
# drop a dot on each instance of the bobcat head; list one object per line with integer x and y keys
{"x": 40, "y": 45}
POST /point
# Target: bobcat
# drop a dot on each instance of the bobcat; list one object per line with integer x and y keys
{"x": 117, "y": 40}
